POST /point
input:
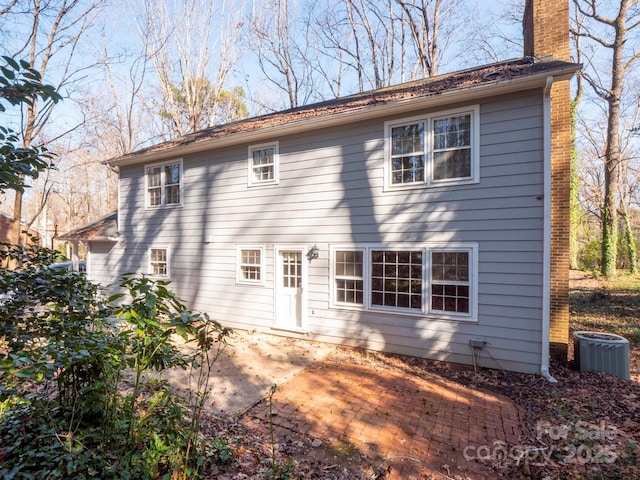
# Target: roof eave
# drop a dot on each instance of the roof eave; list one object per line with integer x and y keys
{"x": 71, "y": 238}
{"x": 349, "y": 115}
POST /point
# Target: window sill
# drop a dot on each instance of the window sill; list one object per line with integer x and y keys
{"x": 262, "y": 184}
{"x": 431, "y": 185}
{"x": 250, "y": 284}
{"x": 163, "y": 207}
{"x": 407, "y": 313}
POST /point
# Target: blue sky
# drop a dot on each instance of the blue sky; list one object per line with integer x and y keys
{"x": 116, "y": 28}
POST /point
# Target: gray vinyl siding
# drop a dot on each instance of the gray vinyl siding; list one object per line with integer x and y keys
{"x": 331, "y": 192}
{"x": 103, "y": 259}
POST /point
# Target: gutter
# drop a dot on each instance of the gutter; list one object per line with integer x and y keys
{"x": 546, "y": 281}
{"x": 89, "y": 239}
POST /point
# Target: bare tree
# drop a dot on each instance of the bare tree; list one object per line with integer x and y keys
{"x": 365, "y": 39}
{"x": 338, "y": 45}
{"x": 424, "y": 18}
{"x": 487, "y": 35}
{"x": 384, "y": 42}
{"x": 55, "y": 29}
{"x": 192, "y": 63}
{"x": 574, "y": 188}
{"x": 280, "y": 41}
{"x": 609, "y": 26}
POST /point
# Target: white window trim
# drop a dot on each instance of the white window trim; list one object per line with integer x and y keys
{"x": 276, "y": 164}
{"x": 150, "y": 267}
{"x": 368, "y": 291}
{"x": 240, "y": 280}
{"x": 474, "y": 110}
{"x": 473, "y": 281}
{"x": 332, "y": 276}
{"x": 426, "y": 249}
{"x": 162, "y": 184}
{"x": 388, "y": 126}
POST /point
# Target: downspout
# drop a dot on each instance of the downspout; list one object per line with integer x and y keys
{"x": 546, "y": 280}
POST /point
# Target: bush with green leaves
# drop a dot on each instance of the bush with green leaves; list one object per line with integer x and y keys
{"x": 21, "y": 84}
{"x": 76, "y": 400}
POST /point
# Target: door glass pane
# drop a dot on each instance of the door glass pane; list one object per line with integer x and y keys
{"x": 291, "y": 269}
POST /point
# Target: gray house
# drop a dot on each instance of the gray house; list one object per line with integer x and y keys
{"x": 428, "y": 219}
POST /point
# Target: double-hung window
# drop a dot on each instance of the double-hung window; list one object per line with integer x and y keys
{"x": 159, "y": 262}
{"x": 429, "y": 280}
{"x": 450, "y": 286}
{"x": 408, "y": 153}
{"x": 263, "y": 164}
{"x": 164, "y": 184}
{"x": 250, "y": 265}
{"x": 452, "y": 147}
{"x": 434, "y": 149}
{"x": 349, "y": 277}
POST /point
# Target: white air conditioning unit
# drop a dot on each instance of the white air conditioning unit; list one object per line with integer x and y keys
{"x": 603, "y": 352}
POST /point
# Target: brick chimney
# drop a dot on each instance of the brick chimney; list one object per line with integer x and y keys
{"x": 545, "y": 27}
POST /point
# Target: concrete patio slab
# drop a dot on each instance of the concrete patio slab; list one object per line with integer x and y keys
{"x": 248, "y": 367}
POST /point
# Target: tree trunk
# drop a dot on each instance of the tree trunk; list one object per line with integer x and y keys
{"x": 16, "y": 228}
{"x": 630, "y": 242}
{"x": 609, "y": 219}
{"x": 612, "y": 152}
{"x": 574, "y": 204}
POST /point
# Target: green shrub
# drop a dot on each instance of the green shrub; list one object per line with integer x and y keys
{"x": 75, "y": 397}
{"x": 590, "y": 256}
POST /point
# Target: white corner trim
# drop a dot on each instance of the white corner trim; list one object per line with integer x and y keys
{"x": 546, "y": 281}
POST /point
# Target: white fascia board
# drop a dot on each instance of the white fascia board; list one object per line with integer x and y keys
{"x": 467, "y": 94}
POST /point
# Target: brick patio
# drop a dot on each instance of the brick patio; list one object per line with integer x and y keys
{"x": 391, "y": 416}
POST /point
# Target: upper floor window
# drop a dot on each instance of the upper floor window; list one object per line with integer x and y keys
{"x": 442, "y": 148}
{"x": 263, "y": 164}
{"x": 452, "y": 147}
{"x": 408, "y": 153}
{"x": 164, "y": 184}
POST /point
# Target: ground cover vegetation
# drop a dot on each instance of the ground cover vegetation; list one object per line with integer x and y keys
{"x": 76, "y": 400}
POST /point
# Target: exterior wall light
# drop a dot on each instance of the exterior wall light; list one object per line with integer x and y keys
{"x": 313, "y": 253}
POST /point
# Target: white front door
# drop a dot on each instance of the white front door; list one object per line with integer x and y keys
{"x": 289, "y": 288}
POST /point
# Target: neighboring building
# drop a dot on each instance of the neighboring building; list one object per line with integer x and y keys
{"x": 428, "y": 219}
{"x": 102, "y": 231}
{"x": 6, "y": 224}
